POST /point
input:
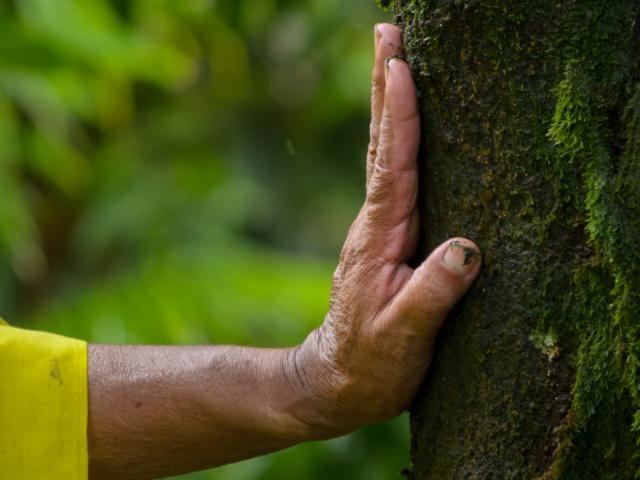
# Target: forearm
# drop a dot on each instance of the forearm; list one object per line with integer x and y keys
{"x": 159, "y": 411}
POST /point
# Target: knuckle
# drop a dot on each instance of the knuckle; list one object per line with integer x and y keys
{"x": 379, "y": 185}
{"x": 374, "y": 130}
{"x": 372, "y": 152}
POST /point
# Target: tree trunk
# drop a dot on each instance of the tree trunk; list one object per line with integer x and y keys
{"x": 531, "y": 117}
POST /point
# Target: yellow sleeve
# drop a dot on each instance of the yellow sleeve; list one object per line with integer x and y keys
{"x": 43, "y": 406}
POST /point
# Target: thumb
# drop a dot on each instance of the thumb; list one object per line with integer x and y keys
{"x": 438, "y": 284}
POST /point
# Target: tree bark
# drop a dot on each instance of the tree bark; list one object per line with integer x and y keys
{"x": 531, "y": 117}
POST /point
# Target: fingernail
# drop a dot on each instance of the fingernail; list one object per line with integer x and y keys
{"x": 387, "y": 67}
{"x": 461, "y": 255}
{"x": 377, "y": 31}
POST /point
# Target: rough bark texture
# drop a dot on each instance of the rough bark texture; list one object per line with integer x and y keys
{"x": 531, "y": 112}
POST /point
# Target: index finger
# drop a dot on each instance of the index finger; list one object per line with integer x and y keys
{"x": 388, "y": 43}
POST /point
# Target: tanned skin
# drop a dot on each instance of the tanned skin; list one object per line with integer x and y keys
{"x": 161, "y": 411}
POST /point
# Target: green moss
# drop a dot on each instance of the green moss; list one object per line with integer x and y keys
{"x": 606, "y": 400}
{"x": 385, "y": 4}
{"x": 546, "y": 342}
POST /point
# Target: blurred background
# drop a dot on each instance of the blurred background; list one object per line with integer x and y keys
{"x": 182, "y": 172}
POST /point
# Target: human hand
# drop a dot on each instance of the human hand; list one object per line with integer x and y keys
{"x": 366, "y": 362}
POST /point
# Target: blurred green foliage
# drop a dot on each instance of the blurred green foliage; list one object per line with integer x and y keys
{"x": 185, "y": 172}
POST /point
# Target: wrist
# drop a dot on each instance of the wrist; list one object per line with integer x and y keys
{"x": 310, "y": 401}
{"x": 321, "y": 396}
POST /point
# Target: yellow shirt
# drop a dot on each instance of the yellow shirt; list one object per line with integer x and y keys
{"x": 43, "y": 406}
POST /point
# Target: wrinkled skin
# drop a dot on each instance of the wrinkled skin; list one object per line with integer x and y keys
{"x": 159, "y": 411}
{"x": 378, "y": 337}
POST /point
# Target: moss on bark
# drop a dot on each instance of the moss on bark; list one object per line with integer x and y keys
{"x": 531, "y": 114}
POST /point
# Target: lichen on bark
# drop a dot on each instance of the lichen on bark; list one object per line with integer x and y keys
{"x": 531, "y": 115}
